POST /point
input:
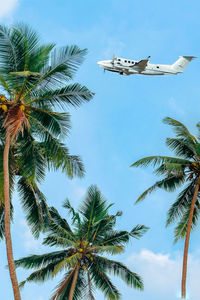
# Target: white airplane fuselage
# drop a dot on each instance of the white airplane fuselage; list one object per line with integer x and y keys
{"x": 125, "y": 66}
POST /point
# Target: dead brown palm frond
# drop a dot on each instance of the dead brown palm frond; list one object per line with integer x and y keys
{"x": 15, "y": 121}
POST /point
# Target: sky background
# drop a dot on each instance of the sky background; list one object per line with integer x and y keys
{"x": 120, "y": 125}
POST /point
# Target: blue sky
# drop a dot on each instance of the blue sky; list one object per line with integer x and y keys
{"x": 120, "y": 125}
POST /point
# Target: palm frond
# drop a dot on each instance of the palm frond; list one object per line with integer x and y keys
{"x": 69, "y": 262}
{"x": 62, "y": 286}
{"x": 169, "y": 184}
{"x": 57, "y": 219}
{"x": 31, "y": 161}
{"x": 180, "y": 205}
{"x": 2, "y": 225}
{"x": 182, "y": 147}
{"x": 63, "y": 289}
{"x": 158, "y": 160}
{"x": 70, "y": 95}
{"x": 40, "y": 275}
{"x": 58, "y": 157}
{"x": 181, "y": 228}
{"x": 138, "y": 231}
{"x": 40, "y": 261}
{"x": 103, "y": 282}
{"x": 176, "y": 168}
{"x": 180, "y": 129}
{"x": 117, "y": 268}
{"x": 34, "y": 205}
{"x": 110, "y": 249}
{"x": 57, "y": 123}
{"x": 64, "y": 62}
{"x": 115, "y": 238}
{"x": 75, "y": 215}
{"x": 54, "y": 240}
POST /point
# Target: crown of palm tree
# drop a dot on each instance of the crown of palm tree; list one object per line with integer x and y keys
{"x": 92, "y": 236}
{"x": 185, "y": 168}
{"x": 33, "y": 80}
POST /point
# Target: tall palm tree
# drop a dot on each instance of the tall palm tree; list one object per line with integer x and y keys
{"x": 185, "y": 168}
{"x": 33, "y": 80}
{"x": 84, "y": 247}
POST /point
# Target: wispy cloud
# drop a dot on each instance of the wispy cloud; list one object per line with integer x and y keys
{"x": 7, "y": 7}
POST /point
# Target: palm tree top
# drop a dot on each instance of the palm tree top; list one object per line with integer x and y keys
{"x": 184, "y": 168}
{"x": 84, "y": 244}
{"x": 33, "y": 79}
{"x": 185, "y": 165}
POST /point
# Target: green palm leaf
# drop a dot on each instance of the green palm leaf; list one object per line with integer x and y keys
{"x": 71, "y": 95}
{"x": 169, "y": 183}
{"x": 181, "y": 228}
{"x": 117, "y": 268}
{"x": 180, "y": 129}
{"x": 103, "y": 282}
{"x": 158, "y": 160}
{"x": 180, "y": 205}
{"x": 39, "y": 261}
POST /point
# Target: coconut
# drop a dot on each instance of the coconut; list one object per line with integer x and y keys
{"x": 4, "y": 107}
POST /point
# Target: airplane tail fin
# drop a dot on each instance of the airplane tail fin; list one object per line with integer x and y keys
{"x": 181, "y": 64}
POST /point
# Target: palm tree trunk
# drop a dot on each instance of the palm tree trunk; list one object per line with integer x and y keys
{"x": 71, "y": 293}
{"x": 6, "y": 188}
{"x": 187, "y": 239}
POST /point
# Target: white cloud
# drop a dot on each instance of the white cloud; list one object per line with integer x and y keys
{"x": 7, "y": 6}
{"x": 162, "y": 274}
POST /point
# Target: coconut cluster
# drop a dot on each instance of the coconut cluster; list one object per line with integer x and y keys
{"x": 3, "y": 101}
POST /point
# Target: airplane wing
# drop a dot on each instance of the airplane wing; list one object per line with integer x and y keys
{"x": 142, "y": 64}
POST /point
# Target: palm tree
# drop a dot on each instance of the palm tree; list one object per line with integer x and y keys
{"x": 33, "y": 80}
{"x": 177, "y": 171}
{"x": 84, "y": 248}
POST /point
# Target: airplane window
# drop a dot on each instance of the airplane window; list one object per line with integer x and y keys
{"x": 125, "y": 61}
{"x": 119, "y": 59}
{"x": 129, "y": 62}
{"x": 157, "y": 67}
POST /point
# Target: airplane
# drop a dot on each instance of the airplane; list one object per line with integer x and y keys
{"x": 125, "y": 66}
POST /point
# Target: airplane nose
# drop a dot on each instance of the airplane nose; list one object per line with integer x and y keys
{"x": 102, "y": 63}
